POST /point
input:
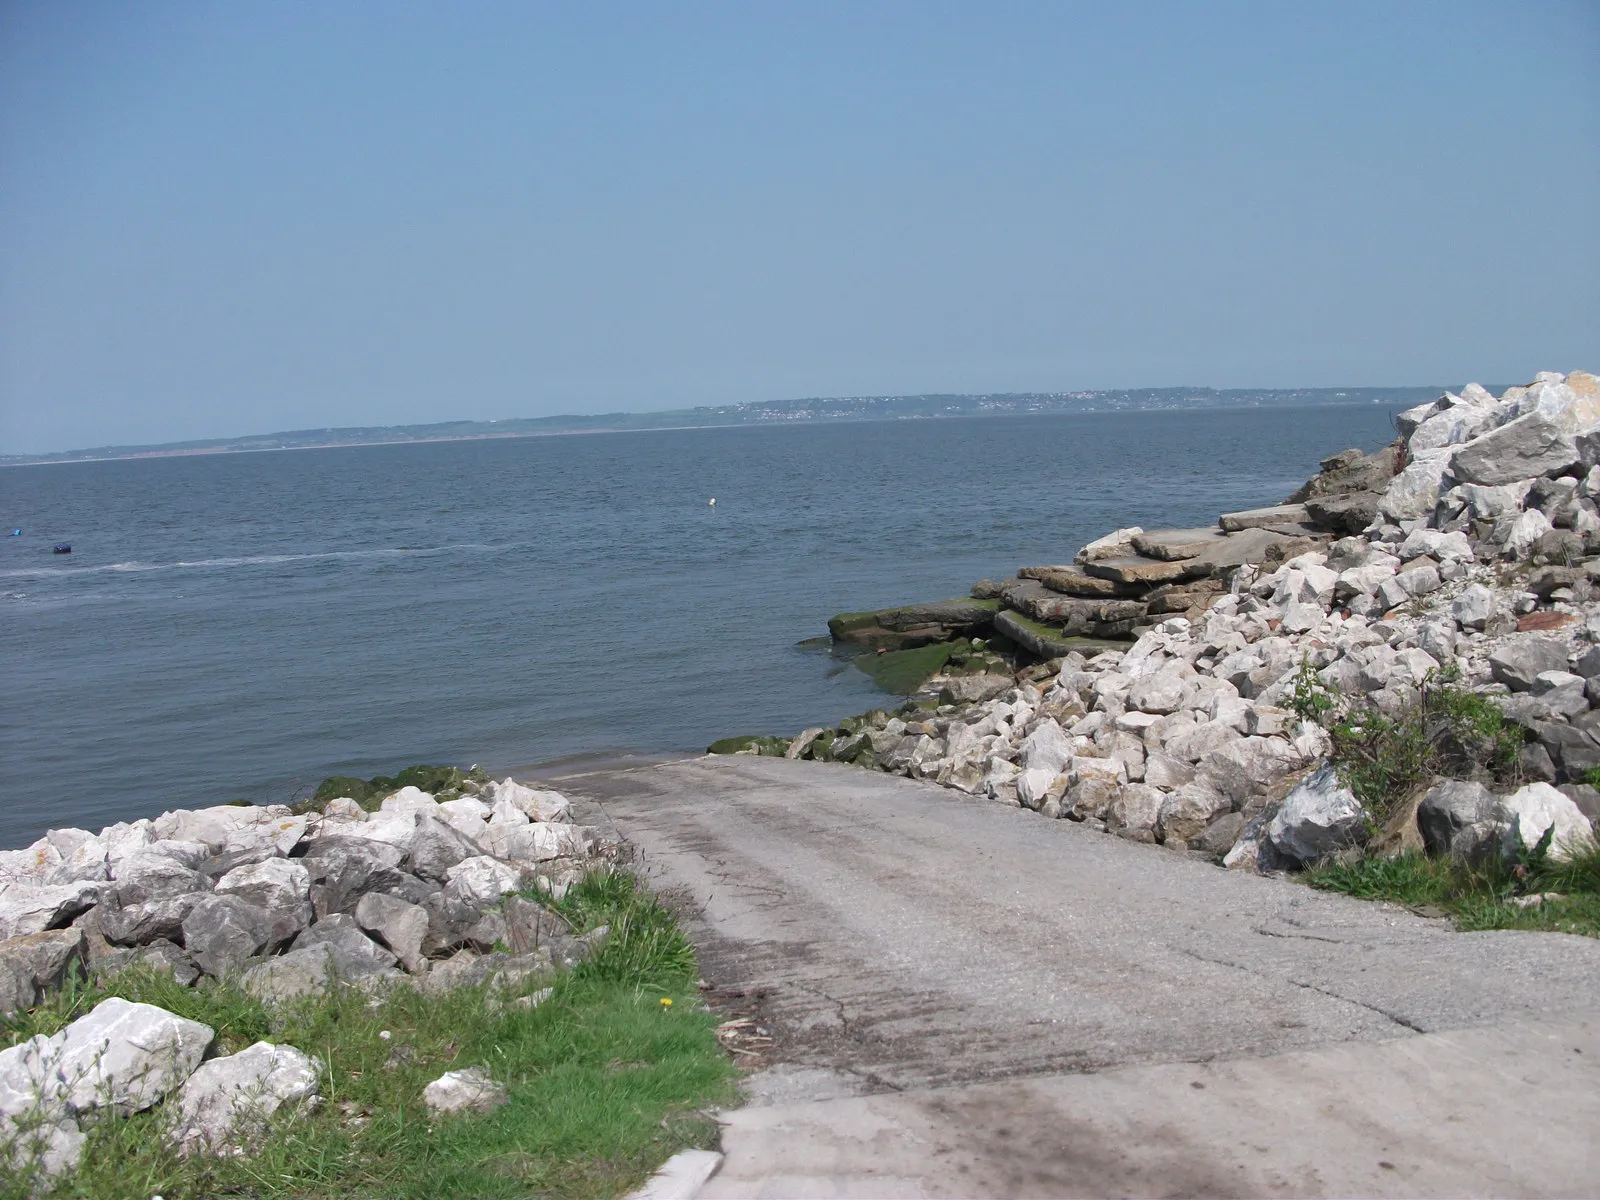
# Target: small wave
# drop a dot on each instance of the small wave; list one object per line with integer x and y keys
{"x": 254, "y": 560}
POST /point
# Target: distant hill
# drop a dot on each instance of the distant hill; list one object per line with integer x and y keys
{"x": 770, "y": 412}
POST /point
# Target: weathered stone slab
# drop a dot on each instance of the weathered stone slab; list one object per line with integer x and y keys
{"x": 1042, "y": 641}
{"x": 1260, "y": 518}
{"x": 1170, "y": 545}
{"x": 1143, "y": 570}
{"x": 1079, "y": 615}
{"x": 1073, "y": 580}
{"x": 913, "y": 624}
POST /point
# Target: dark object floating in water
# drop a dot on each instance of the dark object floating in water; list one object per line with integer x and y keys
{"x": 16, "y": 533}
{"x": 61, "y": 548}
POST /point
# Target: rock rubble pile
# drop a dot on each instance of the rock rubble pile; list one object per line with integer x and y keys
{"x": 289, "y": 904}
{"x": 1467, "y": 551}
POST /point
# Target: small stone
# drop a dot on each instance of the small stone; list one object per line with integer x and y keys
{"x": 1473, "y": 607}
{"x": 471, "y": 1090}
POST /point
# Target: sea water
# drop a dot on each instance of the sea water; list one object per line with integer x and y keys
{"x": 243, "y": 625}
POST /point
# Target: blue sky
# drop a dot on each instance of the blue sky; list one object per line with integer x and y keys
{"x": 219, "y": 219}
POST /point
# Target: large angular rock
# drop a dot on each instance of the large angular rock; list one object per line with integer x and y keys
{"x": 1413, "y": 493}
{"x": 222, "y": 932}
{"x": 1193, "y": 744}
{"x": 126, "y": 1056}
{"x": 1046, "y": 748}
{"x": 42, "y": 1154}
{"x": 483, "y": 880}
{"x": 1186, "y": 812}
{"x": 540, "y": 841}
{"x": 33, "y": 908}
{"x": 342, "y": 869}
{"x": 396, "y": 829}
{"x": 159, "y": 955}
{"x": 1349, "y": 513}
{"x": 274, "y": 883}
{"x": 436, "y": 847}
{"x": 36, "y": 963}
{"x": 136, "y": 924}
{"x": 149, "y": 875}
{"x": 540, "y": 804}
{"x": 1162, "y": 691}
{"x": 1135, "y": 813}
{"x": 1319, "y": 816}
{"x": 1473, "y": 607}
{"x": 343, "y": 933}
{"x": 396, "y": 924}
{"x": 1539, "y": 808}
{"x": 1465, "y": 821}
{"x": 226, "y": 1104}
{"x": 451, "y": 922}
{"x": 1534, "y": 444}
{"x": 234, "y": 828}
{"x": 974, "y": 689}
{"x": 312, "y": 970}
{"x": 1524, "y": 658}
{"x": 281, "y": 978}
{"x": 45, "y": 958}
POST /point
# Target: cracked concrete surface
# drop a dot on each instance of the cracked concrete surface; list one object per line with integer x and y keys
{"x": 910, "y": 938}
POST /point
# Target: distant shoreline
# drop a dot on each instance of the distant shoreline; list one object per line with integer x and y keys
{"x": 1395, "y": 397}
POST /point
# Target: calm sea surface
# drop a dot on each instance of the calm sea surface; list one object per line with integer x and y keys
{"x": 245, "y": 624}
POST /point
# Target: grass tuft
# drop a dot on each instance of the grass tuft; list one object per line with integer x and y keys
{"x": 1479, "y": 897}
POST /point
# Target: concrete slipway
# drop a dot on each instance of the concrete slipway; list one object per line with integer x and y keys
{"x": 971, "y": 1000}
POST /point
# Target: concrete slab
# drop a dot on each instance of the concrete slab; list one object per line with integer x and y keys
{"x": 1485, "y": 1112}
{"x": 906, "y": 935}
{"x": 968, "y": 999}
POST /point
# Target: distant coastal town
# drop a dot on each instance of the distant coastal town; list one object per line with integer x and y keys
{"x": 842, "y": 408}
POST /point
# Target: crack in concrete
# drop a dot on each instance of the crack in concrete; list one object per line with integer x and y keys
{"x": 1403, "y": 1022}
{"x": 1303, "y": 937}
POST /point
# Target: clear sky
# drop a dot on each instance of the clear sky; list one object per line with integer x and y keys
{"x": 226, "y": 218}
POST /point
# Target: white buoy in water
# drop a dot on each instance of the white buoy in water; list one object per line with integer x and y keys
{"x": 712, "y": 502}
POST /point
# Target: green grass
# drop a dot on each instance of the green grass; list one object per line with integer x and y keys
{"x": 1478, "y": 897}
{"x": 605, "y": 1080}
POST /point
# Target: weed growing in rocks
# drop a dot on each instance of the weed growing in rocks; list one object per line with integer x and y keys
{"x": 604, "y": 1079}
{"x": 1386, "y": 757}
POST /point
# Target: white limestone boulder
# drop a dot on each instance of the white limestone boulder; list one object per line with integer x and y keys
{"x": 225, "y": 1106}
{"x": 33, "y": 908}
{"x": 540, "y": 804}
{"x": 1538, "y": 809}
{"x": 483, "y": 880}
{"x": 1318, "y": 816}
{"x": 126, "y": 1056}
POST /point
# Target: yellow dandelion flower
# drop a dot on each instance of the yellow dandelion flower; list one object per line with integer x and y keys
{"x": 666, "y": 1002}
